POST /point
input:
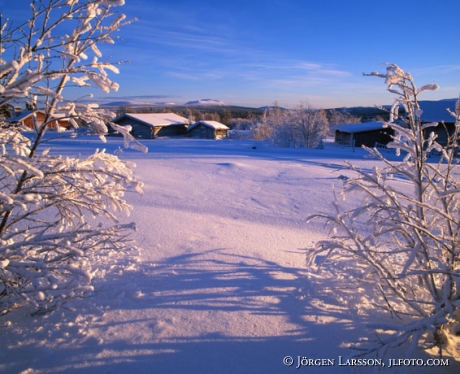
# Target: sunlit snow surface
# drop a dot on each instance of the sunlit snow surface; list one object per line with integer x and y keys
{"x": 219, "y": 284}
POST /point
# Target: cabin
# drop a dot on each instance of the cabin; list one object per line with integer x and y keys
{"x": 152, "y": 125}
{"x": 26, "y": 118}
{"x": 366, "y": 133}
{"x": 437, "y": 111}
{"x": 208, "y": 130}
{"x": 370, "y": 133}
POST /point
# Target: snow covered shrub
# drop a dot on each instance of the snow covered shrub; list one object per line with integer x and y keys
{"x": 404, "y": 238}
{"x": 303, "y": 126}
{"x": 48, "y": 202}
{"x": 310, "y": 125}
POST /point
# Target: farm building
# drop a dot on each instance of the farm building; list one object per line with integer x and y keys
{"x": 27, "y": 117}
{"x": 369, "y": 133}
{"x": 437, "y": 111}
{"x": 207, "y": 130}
{"x": 366, "y": 133}
{"x": 153, "y": 125}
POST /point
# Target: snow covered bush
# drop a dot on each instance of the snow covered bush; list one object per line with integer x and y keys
{"x": 303, "y": 126}
{"x": 403, "y": 240}
{"x": 310, "y": 125}
{"x": 48, "y": 203}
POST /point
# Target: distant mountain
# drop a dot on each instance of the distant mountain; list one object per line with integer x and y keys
{"x": 437, "y": 110}
{"x": 366, "y": 113}
{"x": 205, "y": 102}
{"x": 363, "y": 112}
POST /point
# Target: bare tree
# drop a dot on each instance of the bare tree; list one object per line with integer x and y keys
{"x": 47, "y": 235}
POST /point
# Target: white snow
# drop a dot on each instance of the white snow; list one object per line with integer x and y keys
{"x": 359, "y": 127}
{"x": 155, "y": 119}
{"x": 212, "y": 124}
{"x": 219, "y": 284}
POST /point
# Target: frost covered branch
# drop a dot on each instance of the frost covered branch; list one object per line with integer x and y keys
{"x": 49, "y": 204}
{"x": 303, "y": 126}
{"x": 405, "y": 241}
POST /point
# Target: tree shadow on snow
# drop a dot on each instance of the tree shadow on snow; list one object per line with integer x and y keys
{"x": 163, "y": 317}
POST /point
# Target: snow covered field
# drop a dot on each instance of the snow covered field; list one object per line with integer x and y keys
{"x": 219, "y": 284}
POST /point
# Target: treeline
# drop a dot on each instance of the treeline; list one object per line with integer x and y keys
{"x": 223, "y": 114}
{"x": 302, "y": 126}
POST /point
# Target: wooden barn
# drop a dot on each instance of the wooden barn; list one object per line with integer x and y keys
{"x": 208, "y": 130}
{"x": 26, "y": 118}
{"x": 366, "y": 133}
{"x": 153, "y": 125}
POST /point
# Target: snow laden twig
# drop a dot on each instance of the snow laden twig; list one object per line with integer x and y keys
{"x": 49, "y": 231}
{"x": 46, "y": 270}
{"x": 49, "y": 236}
{"x": 129, "y": 140}
{"x": 405, "y": 237}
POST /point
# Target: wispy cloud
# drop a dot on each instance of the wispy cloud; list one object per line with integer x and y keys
{"x": 296, "y": 75}
{"x": 286, "y": 72}
{"x": 312, "y": 68}
{"x": 189, "y": 40}
{"x": 179, "y": 28}
{"x": 437, "y": 69}
{"x": 197, "y": 75}
{"x": 146, "y": 99}
{"x": 180, "y": 45}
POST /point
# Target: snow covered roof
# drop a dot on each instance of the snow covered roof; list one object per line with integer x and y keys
{"x": 20, "y": 116}
{"x": 359, "y": 127}
{"x": 155, "y": 119}
{"x": 433, "y": 111}
{"x": 212, "y": 124}
{"x": 436, "y": 111}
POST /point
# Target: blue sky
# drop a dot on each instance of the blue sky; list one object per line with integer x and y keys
{"x": 258, "y": 52}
